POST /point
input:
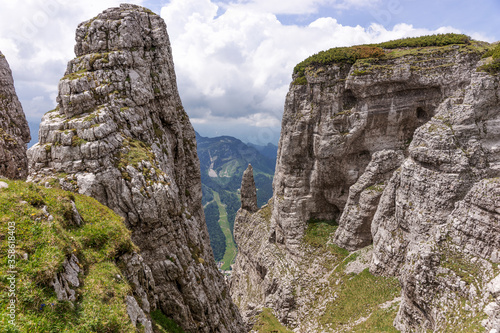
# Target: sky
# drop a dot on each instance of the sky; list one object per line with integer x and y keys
{"x": 233, "y": 58}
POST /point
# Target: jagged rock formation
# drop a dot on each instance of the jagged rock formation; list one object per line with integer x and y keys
{"x": 121, "y": 135}
{"x": 14, "y": 130}
{"x": 364, "y": 196}
{"x": 438, "y": 220}
{"x": 248, "y": 191}
{"x": 404, "y": 152}
{"x": 333, "y": 125}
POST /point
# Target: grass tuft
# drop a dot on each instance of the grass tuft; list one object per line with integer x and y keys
{"x": 164, "y": 324}
{"x": 492, "y": 67}
{"x": 267, "y": 322}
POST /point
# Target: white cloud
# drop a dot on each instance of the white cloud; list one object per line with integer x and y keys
{"x": 234, "y": 59}
{"x": 238, "y": 64}
{"x": 297, "y": 7}
{"x": 37, "y": 37}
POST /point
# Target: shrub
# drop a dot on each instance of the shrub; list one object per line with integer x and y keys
{"x": 494, "y": 66}
{"x": 349, "y": 55}
{"x": 424, "y": 41}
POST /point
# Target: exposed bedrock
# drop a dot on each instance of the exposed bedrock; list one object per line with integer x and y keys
{"x": 441, "y": 210}
{"x": 121, "y": 135}
{"x": 14, "y": 130}
{"x": 333, "y": 126}
{"x": 404, "y": 153}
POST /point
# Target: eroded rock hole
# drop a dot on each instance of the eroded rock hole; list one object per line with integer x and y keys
{"x": 421, "y": 114}
{"x": 349, "y": 100}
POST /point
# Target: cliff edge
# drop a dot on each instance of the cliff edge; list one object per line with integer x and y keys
{"x": 390, "y": 151}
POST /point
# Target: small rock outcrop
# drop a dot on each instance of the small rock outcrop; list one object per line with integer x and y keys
{"x": 14, "y": 130}
{"x": 403, "y": 151}
{"x": 65, "y": 282}
{"x": 121, "y": 135}
{"x": 248, "y": 191}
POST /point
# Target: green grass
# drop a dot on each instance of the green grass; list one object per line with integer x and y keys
{"x": 349, "y": 55}
{"x": 492, "y": 67}
{"x": 359, "y": 296}
{"x": 317, "y": 234}
{"x": 100, "y": 305}
{"x": 75, "y": 75}
{"x": 133, "y": 153}
{"x": 266, "y": 322}
{"x": 163, "y": 324}
{"x": 231, "y": 251}
{"x": 380, "y": 321}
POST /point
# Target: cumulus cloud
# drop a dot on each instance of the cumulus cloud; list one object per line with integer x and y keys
{"x": 298, "y": 7}
{"x": 37, "y": 37}
{"x": 234, "y": 61}
{"x": 233, "y": 58}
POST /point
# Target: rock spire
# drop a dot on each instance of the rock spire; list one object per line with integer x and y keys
{"x": 248, "y": 191}
{"x": 120, "y": 134}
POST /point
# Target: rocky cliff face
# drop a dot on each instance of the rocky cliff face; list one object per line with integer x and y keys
{"x": 403, "y": 152}
{"x": 14, "y": 130}
{"x": 437, "y": 223}
{"x": 121, "y": 135}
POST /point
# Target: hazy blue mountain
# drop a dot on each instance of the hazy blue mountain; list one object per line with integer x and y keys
{"x": 270, "y": 150}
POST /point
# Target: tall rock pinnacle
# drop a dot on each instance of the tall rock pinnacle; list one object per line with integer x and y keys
{"x": 14, "y": 130}
{"x": 121, "y": 135}
{"x": 248, "y": 191}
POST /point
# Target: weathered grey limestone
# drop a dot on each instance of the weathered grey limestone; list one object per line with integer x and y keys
{"x": 14, "y": 130}
{"x": 437, "y": 225}
{"x": 64, "y": 282}
{"x": 355, "y": 223}
{"x": 121, "y": 135}
{"x": 248, "y": 191}
{"x": 333, "y": 125}
{"x": 405, "y": 154}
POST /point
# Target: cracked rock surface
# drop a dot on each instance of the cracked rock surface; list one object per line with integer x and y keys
{"x": 14, "y": 130}
{"x": 403, "y": 153}
{"x": 121, "y": 135}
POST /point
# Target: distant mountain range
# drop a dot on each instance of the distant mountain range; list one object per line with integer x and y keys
{"x": 223, "y": 160}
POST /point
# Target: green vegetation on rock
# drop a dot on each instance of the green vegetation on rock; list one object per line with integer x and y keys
{"x": 493, "y": 67}
{"x": 360, "y": 295}
{"x": 424, "y": 41}
{"x": 267, "y": 322}
{"x": 359, "y": 301}
{"x": 349, "y": 55}
{"x": 44, "y": 243}
{"x": 164, "y": 324}
{"x": 318, "y": 233}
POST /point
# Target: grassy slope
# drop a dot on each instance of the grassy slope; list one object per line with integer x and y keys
{"x": 267, "y": 322}
{"x": 100, "y": 303}
{"x": 97, "y": 244}
{"x": 357, "y": 295}
{"x": 231, "y": 251}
